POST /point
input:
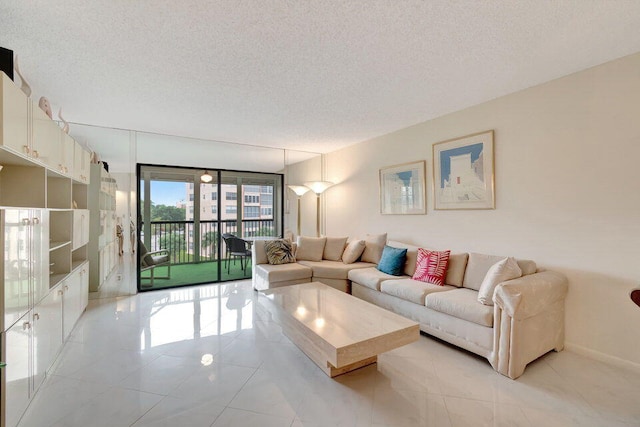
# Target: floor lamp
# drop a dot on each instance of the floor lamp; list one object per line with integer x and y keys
{"x": 318, "y": 187}
{"x": 300, "y": 190}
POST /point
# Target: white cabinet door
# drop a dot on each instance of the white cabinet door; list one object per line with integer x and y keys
{"x": 84, "y": 287}
{"x": 14, "y": 109}
{"x": 16, "y": 347}
{"x": 47, "y": 334}
{"x": 17, "y": 297}
{"x": 71, "y": 302}
{"x": 46, "y": 140}
{"x": 39, "y": 252}
{"x": 68, "y": 145}
{"x": 80, "y": 228}
{"x": 81, "y": 161}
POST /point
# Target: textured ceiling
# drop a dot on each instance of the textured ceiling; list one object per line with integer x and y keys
{"x": 307, "y": 75}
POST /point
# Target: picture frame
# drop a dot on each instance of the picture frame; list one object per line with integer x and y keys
{"x": 463, "y": 172}
{"x": 402, "y": 189}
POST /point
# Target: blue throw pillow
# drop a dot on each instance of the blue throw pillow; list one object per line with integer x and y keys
{"x": 392, "y": 260}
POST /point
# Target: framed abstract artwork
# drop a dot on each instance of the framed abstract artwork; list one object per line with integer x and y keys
{"x": 463, "y": 174}
{"x": 402, "y": 189}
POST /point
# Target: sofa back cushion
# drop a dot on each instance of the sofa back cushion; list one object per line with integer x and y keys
{"x": 477, "y": 268}
{"x": 527, "y": 266}
{"x": 310, "y": 248}
{"x": 333, "y": 248}
{"x": 259, "y": 252}
{"x": 373, "y": 246}
{"x": 412, "y": 254}
{"x": 455, "y": 271}
{"x": 353, "y": 251}
{"x": 479, "y": 264}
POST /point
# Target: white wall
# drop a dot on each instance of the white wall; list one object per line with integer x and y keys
{"x": 567, "y": 157}
{"x": 297, "y": 174}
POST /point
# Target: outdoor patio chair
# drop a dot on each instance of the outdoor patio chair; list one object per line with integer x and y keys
{"x": 226, "y": 236}
{"x": 238, "y": 248}
{"x": 152, "y": 260}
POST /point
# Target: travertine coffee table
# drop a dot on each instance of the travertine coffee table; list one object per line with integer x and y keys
{"x": 339, "y": 332}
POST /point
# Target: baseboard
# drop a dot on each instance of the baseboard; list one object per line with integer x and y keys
{"x": 602, "y": 357}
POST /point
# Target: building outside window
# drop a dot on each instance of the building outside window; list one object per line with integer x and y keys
{"x": 231, "y": 195}
{"x": 251, "y": 211}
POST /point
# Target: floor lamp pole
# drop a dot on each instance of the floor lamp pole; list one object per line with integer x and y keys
{"x": 318, "y": 215}
{"x": 298, "y": 216}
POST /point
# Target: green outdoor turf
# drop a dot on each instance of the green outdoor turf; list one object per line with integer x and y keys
{"x": 189, "y": 274}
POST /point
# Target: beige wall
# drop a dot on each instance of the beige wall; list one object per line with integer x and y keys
{"x": 567, "y": 157}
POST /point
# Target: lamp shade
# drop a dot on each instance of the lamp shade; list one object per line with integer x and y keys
{"x": 206, "y": 177}
{"x": 318, "y": 187}
{"x": 298, "y": 189}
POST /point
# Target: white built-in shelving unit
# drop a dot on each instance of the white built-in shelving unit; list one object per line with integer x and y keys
{"x": 44, "y": 233}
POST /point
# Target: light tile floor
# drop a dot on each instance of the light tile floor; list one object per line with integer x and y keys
{"x": 211, "y": 356}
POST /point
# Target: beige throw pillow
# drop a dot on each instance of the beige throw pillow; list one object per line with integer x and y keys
{"x": 353, "y": 251}
{"x": 374, "y": 245}
{"x": 310, "y": 248}
{"x": 333, "y": 248}
{"x": 499, "y": 272}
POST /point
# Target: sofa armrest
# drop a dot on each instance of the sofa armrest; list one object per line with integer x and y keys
{"x": 530, "y": 295}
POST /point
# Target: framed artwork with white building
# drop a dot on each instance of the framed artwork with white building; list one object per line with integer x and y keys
{"x": 463, "y": 173}
{"x": 402, "y": 189}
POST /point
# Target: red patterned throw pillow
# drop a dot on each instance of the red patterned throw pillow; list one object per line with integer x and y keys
{"x": 431, "y": 266}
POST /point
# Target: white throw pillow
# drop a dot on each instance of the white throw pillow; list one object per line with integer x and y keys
{"x": 499, "y": 272}
{"x": 310, "y": 248}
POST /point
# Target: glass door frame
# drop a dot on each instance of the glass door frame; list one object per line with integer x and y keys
{"x": 278, "y": 203}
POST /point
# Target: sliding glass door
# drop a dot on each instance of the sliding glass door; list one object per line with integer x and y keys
{"x": 194, "y": 232}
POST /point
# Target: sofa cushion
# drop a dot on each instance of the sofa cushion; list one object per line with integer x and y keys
{"x": 392, "y": 260}
{"x": 279, "y": 252}
{"x": 333, "y": 269}
{"x": 477, "y": 268}
{"x": 499, "y": 272}
{"x": 412, "y": 254}
{"x": 373, "y": 246}
{"x": 431, "y": 266}
{"x": 333, "y": 248}
{"x": 455, "y": 271}
{"x": 463, "y": 304}
{"x": 283, "y": 272}
{"x": 310, "y": 248}
{"x": 259, "y": 253}
{"x": 527, "y": 266}
{"x": 370, "y": 277}
{"x": 353, "y": 251}
{"x": 411, "y": 290}
{"x": 479, "y": 264}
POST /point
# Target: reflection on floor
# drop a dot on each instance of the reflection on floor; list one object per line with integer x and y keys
{"x": 211, "y": 356}
{"x": 121, "y": 282}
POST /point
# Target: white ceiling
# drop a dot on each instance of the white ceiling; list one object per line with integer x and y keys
{"x": 306, "y": 75}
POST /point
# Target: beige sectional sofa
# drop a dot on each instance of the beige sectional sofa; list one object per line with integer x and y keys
{"x": 525, "y": 322}
{"x": 330, "y": 272}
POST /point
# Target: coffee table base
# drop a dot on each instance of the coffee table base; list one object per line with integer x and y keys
{"x": 345, "y": 335}
{"x": 290, "y": 328}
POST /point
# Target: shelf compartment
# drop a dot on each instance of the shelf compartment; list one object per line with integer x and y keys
{"x": 57, "y": 245}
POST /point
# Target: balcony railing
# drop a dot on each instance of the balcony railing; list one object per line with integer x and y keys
{"x": 178, "y": 237}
